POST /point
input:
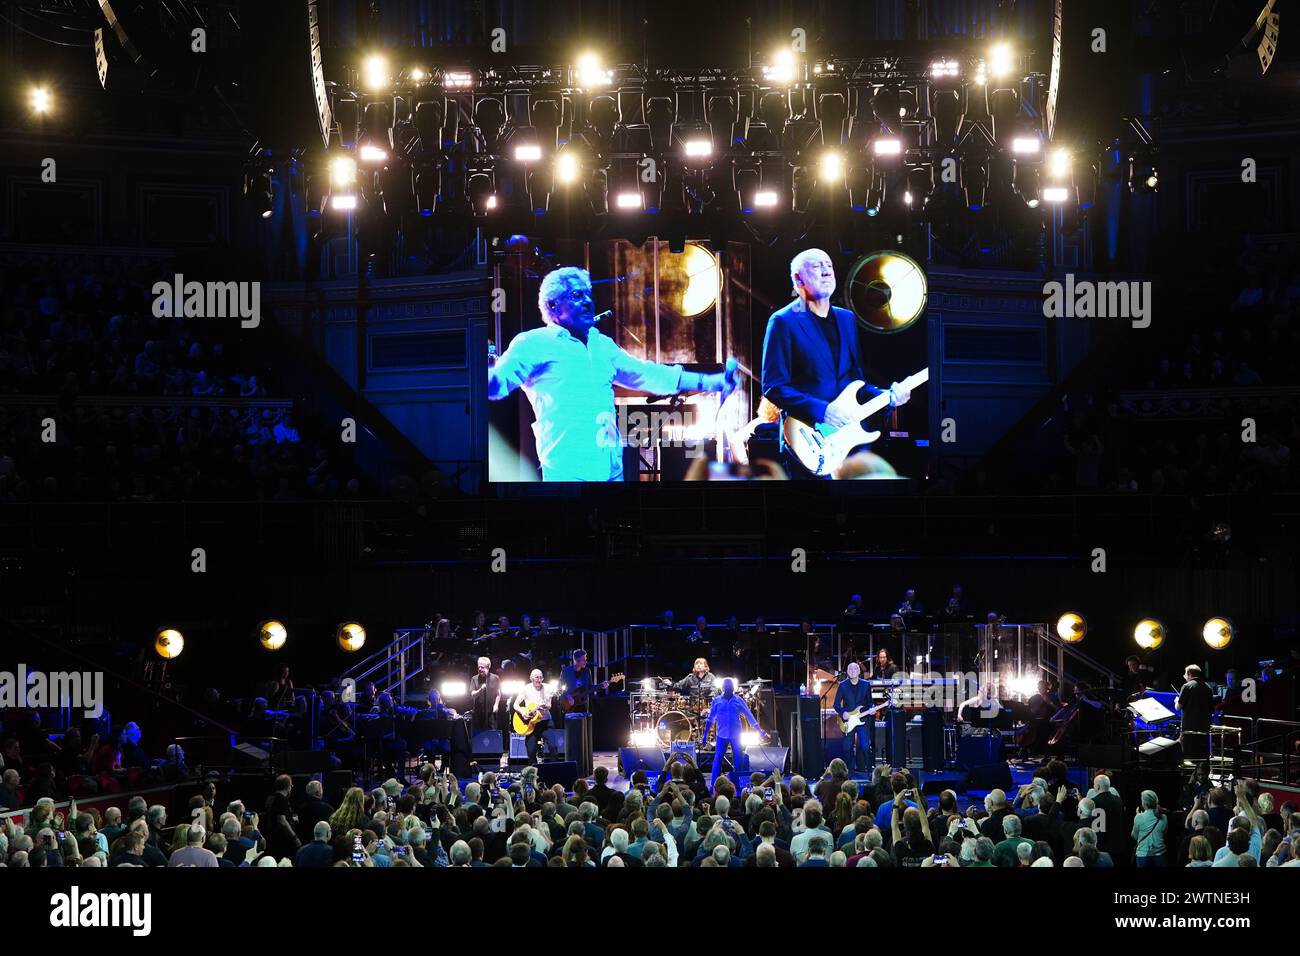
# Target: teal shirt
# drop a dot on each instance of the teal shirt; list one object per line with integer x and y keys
{"x": 1150, "y": 833}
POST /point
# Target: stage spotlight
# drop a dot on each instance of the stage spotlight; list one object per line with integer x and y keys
{"x": 452, "y": 689}
{"x": 1217, "y": 633}
{"x": 510, "y": 688}
{"x": 750, "y": 738}
{"x": 1143, "y": 176}
{"x": 418, "y": 74}
{"x": 351, "y": 636}
{"x": 886, "y": 291}
{"x": 1026, "y": 685}
{"x": 703, "y": 278}
{"x": 272, "y": 634}
{"x": 1025, "y": 145}
{"x": 373, "y": 154}
{"x": 528, "y": 153}
{"x": 168, "y": 643}
{"x": 1002, "y": 61}
{"x": 1058, "y": 163}
{"x": 781, "y": 70}
{"x": 590, "y": 72}
{"x": 945, "y": 70}
{"x": 644, "y": 738}
{"x": 344, "y": 202}
{"x": 697, "y": 148}
{"x": 40, "y": 100}
{"x": 628, "y": 200}
{"x": 374, "y": 73}
{"x": 458, "y": 81}
{"x": 975, "y": 180}
{"x": 1149, "y": 634}
{"x": 1055, "y": 195}
{"x": 567, "y": 167}
{"x": 831, "y": 167}
{"x": 1071, "y": 627}
{"x": 887, "y": 105}
{"x": 343, "y": 172}
{"x": 491, "y": 201}
{"x": 920, "y": 184}
{"x": 765, "y": 199}
{"x": 887, "y": 146}
{"x": 981, "y": 74}
{"x": 948, "y": 107}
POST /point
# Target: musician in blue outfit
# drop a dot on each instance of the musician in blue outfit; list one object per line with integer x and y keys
{"x": 849, "y": 696}
{"x": 725, "y": 713}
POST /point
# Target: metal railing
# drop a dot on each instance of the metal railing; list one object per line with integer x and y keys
{"x": 1053, "y": 653}
{"x": 392, "y": 666}
{"x": 1272, "y": 757}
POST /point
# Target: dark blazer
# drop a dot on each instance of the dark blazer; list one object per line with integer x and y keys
{"x": 799, "y": 370}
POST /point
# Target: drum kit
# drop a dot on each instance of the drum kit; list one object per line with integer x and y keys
{"x": 673, "y": 716}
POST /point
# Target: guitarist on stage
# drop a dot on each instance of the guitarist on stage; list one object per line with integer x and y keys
{"x": 811, "y": 353}
{"x": 531, "y": 703}
{"x": 851, "y": 695}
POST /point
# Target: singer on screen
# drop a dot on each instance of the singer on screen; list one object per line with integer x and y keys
{"x": 568, "y": 370}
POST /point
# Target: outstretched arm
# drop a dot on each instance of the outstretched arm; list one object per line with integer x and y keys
{"x": 511, "y": 370}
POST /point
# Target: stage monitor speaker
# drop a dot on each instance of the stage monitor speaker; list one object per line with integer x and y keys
{"x": 518, "y": 747}
{"x": 897, "y": 722}
{"x": 767, "y": 759}
{"x": 487, "y": 743}
{"x": 978, "y": 750}
{"x": 811, "y": 760}
{"x": 1104, "y": 756}
{"x": 557, "y": 771}
{"x": 555, "y": 744}
{"x": 994, "y": 776}
{"x": 632, "y": 759}
{"x": 578, "y": 730}
{"x": 810, "y": 707}
{"x": 932, "y": 755}
{"x": 308, "y": 761}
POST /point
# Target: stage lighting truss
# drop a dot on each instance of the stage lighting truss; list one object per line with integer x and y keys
{"x": 778, "y": 133}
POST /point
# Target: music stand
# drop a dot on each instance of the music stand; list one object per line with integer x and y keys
{"x": 1149, "y": 710}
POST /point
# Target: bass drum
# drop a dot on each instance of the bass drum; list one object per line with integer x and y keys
{"x": 675, "y": 725}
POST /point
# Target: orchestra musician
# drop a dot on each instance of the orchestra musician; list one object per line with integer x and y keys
{"x": 811, "y": 352}
{"x": 725, "y": 713}
{"x": 485, "y": 696}
{"x": 568, "y": 370}
{"x": 528, "y": 702}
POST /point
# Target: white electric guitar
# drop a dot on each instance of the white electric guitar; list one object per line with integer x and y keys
{"x": 822, "y": 448}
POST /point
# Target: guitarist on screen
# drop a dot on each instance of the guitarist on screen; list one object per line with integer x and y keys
{"x": 811, "y": 353}
{"x": 532, "y": 709}
{"x": 853, "y": 696}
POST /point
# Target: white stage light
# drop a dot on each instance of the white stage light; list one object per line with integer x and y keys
{"x": 528, "y": 153}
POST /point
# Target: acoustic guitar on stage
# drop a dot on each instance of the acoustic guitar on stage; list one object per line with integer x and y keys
{"x": 822, "y": 448}
{"x": 853, "y": 719}
{"x": 526, "y": 722}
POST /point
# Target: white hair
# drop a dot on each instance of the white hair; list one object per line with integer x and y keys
{"x": 722, "y": 807}
{"x": 314, "y": 789}
{"x": 995, "y": 800}
{"x": 1086, "y": 806}
{"x": 1150, "y": 800}
{"x": 797, "y": 263}
{"x": 1101, "y": 782}
{"x": 618, "y": 840}
{"x": 555, "y": 285}
{"x": 1024, "y": 851}
{"x": 1072, "y": 861}
{"x": 267, "y": 861}
{"x": 1011, "y": 825}
{"x": 1044, "y": 861}
{"x": 196, "y": 834}
{"x": 321, "y": 831}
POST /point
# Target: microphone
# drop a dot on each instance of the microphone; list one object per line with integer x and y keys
{"x": 602, "y": 316}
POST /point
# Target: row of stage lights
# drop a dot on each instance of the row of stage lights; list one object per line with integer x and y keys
{"x": 1149, "y": 633}
{"x": 483, "y": 145}
{"x": 169, "y": 642}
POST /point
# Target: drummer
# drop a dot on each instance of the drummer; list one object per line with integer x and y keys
{"x": 698, "y": 681}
